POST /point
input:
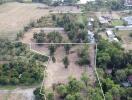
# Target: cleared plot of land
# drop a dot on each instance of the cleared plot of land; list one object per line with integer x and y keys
{"x": 65, "y": 9}
{"x": 57, "y": 73}
{"x": 14, "y": 16}
{"x": 17, "y": 94}
{"x": 127, "y": 40}
{"x": 125, "y": 36}
{"x": 114, "y": 15}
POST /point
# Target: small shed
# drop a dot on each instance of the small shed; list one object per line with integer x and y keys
{"x": 128, "y": 20}
{"x": 110, "y": 34}
{"x": 103, "y": 20}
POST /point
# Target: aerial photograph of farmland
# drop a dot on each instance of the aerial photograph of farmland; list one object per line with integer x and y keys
{"x": 65, "y": 49}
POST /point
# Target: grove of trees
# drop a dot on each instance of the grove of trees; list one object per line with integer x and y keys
{"x": 19, "y": 66}
{"x": 111, "y": 56}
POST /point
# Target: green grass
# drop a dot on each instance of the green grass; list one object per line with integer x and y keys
{"x": 8, "y": 87}
{"x": 81, "y": 19}
{"x": 117, "y": 23}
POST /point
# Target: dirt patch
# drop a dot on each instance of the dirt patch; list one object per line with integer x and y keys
{"x": 113, "y": 15}
{"x": 17, "y": 94}
{"x": 65, "y": 9}
{"x": 126, "y": 39}
{"x": 57, "y": 73}
{"x": 14, "y": 16}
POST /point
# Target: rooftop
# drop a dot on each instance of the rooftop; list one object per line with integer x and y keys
{"x": 128, "y": 20}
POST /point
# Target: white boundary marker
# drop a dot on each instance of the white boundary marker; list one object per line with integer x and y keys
{"x": 95, "y": 69}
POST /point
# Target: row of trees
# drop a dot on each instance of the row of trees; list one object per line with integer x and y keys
{"x": 73, "y": 90}
{"x": 107, "y": 4}
{"x": 54, "y": 37}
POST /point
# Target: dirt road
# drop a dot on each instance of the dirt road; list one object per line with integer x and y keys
{"x": 17, "y": 94}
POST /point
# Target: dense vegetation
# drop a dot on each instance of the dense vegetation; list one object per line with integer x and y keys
{"x": 115, "y": 66}
{"x": 52, "y": 37}
{"x": 18, "y": 65}
{"x": 83, "y": 55}
{"x": 107, "y": 4}
{"x": 76, "y": 29}
{"x": 73, "y": 90}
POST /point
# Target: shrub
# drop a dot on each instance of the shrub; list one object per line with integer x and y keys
{"x": 130, "y": 35}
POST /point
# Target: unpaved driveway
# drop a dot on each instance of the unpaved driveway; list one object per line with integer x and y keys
{"x": 17, "y": 94}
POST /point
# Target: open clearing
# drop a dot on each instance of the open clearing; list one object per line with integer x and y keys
{"x": 14, "y": 16}
{"x": 57, "y": 73}
{"x": 126, "y": 39}
{"x": 17, "y": 94}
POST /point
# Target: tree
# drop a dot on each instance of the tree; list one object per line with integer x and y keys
{"x": 62, "y": 90}
{"x": 85, "y": 78}
{"x": 54, "y": 37}
{"x": 67, "y": 48}
{"x": 70, "y": 97}
{"x": 103, "y": 59}
{"x": 71, "y": 1}
{"x": 39, "y": 37}
{"x": 50, "y": 96}
{"x": 74, "y": 86}
{"x": 130, "y": 34}
{"x": 83, "y": 56}
{"x": 66, "y": 62}
{"x": 108, "y": 96}
{"x": 120, "y": 75}
{"x": 37, "y": 94}
{"x": 52, "y": 49}
{"x": 53, "y": 59}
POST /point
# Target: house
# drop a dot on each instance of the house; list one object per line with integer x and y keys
{"x": 128, "y": 3}
{"x": 84, "y": 1}
{"x": 90, "y": 23}
{"x": 110, "y": 34}
{"x": 129, "y": 78}
{"x": 91, "y": 37}
{"x": 125, "y": 84}
{"x": 103, "y": 20}
{"x": 128, "y": 20}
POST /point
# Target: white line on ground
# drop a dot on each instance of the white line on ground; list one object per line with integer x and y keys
{"x": 30, "y": 44}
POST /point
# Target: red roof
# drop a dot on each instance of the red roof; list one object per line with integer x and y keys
{"x": 130, "y": 78}
{"x": 129, "y": 2}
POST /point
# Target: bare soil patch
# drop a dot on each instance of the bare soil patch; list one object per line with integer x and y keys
{"x": 126, "y": 39}
{"x": 17, "y": 94}
{"x": 65, "y": 9}
{"x": 14, "y": 16}
{"x": 57, "y": 73}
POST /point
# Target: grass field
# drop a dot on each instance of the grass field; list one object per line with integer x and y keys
{"x": 125, "y": 36}
{"x": 14, "y": 16}
{"x": 117, "y": 23}
{"x": 126, "y": 39}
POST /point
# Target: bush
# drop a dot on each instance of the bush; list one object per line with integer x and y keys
{"x": 130, "y": 35}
